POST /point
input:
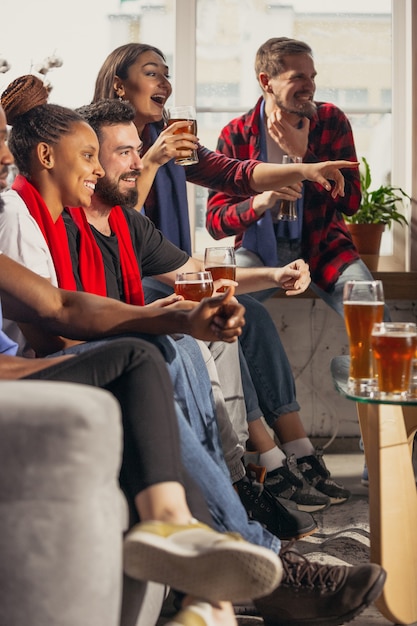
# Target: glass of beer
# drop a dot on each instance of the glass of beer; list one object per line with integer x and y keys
{"x": 194, "y": 285}
{"x": 363, "y": 304}
{"x": 394, "y": 345}
{"x": 221, "y": 262}
{"x": 287, "y": 208}
{"x": 186, "y": 114}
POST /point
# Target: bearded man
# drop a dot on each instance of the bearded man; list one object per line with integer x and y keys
{"x": 287, "y": 120}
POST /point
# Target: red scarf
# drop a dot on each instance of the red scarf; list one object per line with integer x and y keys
{"x": 54, "y": 232}
{"x": 90, "y": 257}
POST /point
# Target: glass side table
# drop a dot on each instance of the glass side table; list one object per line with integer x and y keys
{"x": 388, "y": 428}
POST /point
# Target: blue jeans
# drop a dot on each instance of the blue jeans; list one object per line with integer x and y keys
{"x": 267, "y": 379}
{"x": 267, "y": 362}
{"x": 355, "y": 271}
{"x": 201, "y": 451}
{"x": 235, "y": 387}
{"x": 223, "y": 502}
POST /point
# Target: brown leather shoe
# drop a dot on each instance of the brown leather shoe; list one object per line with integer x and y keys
{"x": 319, "y": 595}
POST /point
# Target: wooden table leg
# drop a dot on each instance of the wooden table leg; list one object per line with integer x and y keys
{"x": 387, "y": 431}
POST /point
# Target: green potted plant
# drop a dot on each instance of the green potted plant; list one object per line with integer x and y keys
{"x": 378, "y": 210}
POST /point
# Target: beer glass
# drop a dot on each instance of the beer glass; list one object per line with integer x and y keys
{"x": 194, "y": 285}
{"x": 288, "y": 208}
{"x": 394, "y": 345}
{"x": 413, "y": 380}
{"x": 187, "y": 115}
{"x": 363, "y": 304}
{"x": 221, "y": 262}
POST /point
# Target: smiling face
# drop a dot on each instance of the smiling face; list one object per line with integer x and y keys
{"x": 120, "y": 148}
{"x": 74, "y": 167}
{"x": 6, "y": 157}
{"x": 293, "y": 90}
{"x": 147, "y": 88}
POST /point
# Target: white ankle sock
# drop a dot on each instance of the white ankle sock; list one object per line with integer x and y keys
{"x": 298, "y": 447}
{"x": 272, "y": 459}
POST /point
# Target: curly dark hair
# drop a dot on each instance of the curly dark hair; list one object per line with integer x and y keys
{"x": 33, "y": 120}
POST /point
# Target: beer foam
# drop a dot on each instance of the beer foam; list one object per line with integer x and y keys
{"x": 393, "y": 333}
{"x": 362, "y": 303}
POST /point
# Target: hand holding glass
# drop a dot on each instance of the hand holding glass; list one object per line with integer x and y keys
{"x": 221, "y": 262}
{"x": 288, "y": 208}
{"x": 363, "y": 304}
{"x": 194, "y": 285}
{"x": 187, "y": 115}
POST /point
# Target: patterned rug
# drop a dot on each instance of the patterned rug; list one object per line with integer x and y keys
{"x": 342, "y": 536}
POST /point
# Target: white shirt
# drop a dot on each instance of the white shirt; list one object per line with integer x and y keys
{"x": 21, "y": 238}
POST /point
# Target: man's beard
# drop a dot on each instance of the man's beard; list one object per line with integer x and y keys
{"x": 109, "y": 193}
{"x": 305, "y": 109}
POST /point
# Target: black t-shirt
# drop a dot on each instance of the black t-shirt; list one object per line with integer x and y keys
{"x": 154, "y": 253}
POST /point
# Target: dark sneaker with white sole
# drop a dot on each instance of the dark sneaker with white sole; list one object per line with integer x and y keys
{"x": 313, "y": 594}
{"x": 288, "y": 483}
{"x": 281, "y": 520}
{"x": 315, "y": 472}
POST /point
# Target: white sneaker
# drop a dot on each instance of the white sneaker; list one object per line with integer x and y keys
{"x": 201, "y": 562}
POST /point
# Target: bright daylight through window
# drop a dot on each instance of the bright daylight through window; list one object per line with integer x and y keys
{"x": 210, "y": 47}
{"x": 352, "y": 54}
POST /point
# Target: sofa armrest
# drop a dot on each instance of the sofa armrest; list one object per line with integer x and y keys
{"x": 62, "y": 514}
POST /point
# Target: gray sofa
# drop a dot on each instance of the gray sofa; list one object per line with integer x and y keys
{"x": 62, "y": 514}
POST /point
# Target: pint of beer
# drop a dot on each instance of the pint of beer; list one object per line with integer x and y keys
{"x": 223, "y": 271}
{"x": 194, "y": 285}
{"x": 221, "y": 262}
{"x": 394, "y": 345}
{"x": 363, "y": 304}
{"x": 187, "y": 115}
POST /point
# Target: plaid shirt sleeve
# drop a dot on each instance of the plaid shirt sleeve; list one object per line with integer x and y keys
{"x": 231, "y": 214}
{"x": 331, "y": 139}
{"x": 218, "y": 171}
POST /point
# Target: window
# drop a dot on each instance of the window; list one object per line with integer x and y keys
{"x": 352, "y": 53}
{"x": 364, "y": 53}
{"x": 216, "y": 41}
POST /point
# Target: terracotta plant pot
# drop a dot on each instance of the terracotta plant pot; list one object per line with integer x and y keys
{"x": 367, "y": 239}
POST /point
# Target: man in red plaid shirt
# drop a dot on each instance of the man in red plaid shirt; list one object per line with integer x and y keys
{"x": 286, "y": 120}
